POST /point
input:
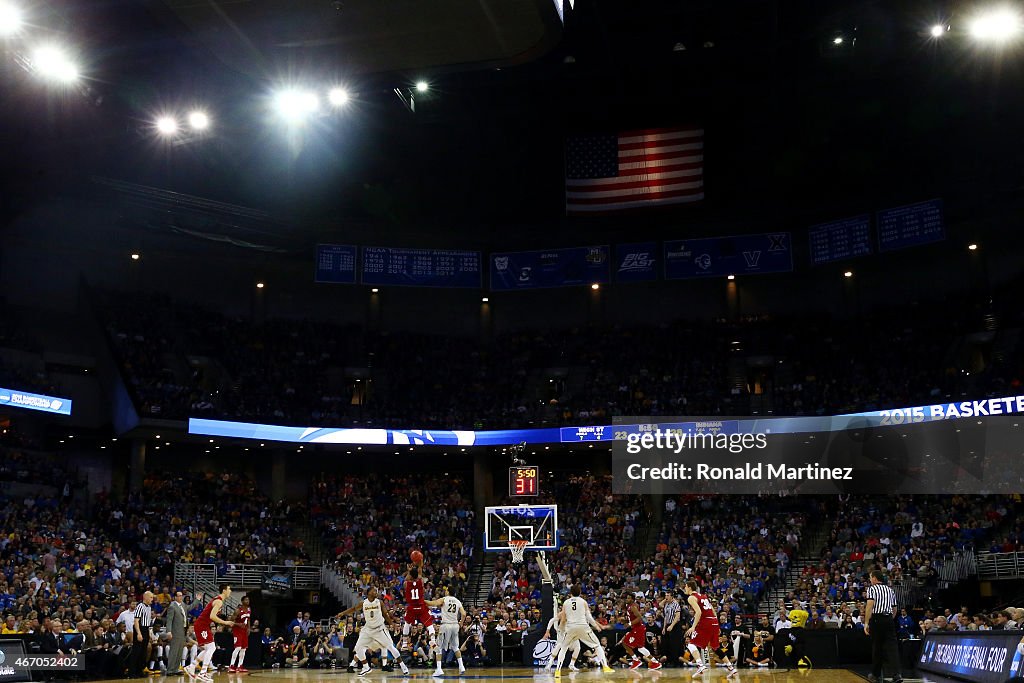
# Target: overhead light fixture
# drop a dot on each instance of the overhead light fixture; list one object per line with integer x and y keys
{"x": 485, "y": 299}
{"x": 678, "y": 47}
{"x": 938, "y": 30}
{"x": 198, "y": 120}
{"x": 338, "y": 97}
{"x": 11, "y": 20}
{"x": 166, "y": 125}
{"x": 135, "y": 257}
{"x": 848, "y": 273}
{"x": 374, "y": 290}
{"x": 260, "y": 285}
{"x": 972, "y": 246}
{"x": 595, "y": 286}
{"x": 422, "y": 86}
{"x": 54, "y": 64}
{"x": 730, "y": 277}
{"x": 997, "y": 25}
{"x": 838, "y": 40}
{"x": 295, "y": 106}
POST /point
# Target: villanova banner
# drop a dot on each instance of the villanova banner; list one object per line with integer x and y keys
{"x": 550, "y": 268}
{"x": 721, "y": 256}
{"x": 636, "y": 262}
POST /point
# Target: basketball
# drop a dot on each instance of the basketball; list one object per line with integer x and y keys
{"x": 416, "y": 556}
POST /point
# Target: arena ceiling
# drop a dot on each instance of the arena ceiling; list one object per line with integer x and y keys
{"x": 264, "y": 37}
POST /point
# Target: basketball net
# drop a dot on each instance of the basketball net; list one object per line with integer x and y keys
{"x": 517, "y": 548}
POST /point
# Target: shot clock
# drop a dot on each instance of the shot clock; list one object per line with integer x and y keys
{"x": 523, "y": 480}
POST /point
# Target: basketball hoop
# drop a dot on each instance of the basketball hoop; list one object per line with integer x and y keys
{"x": 517, "y": 548}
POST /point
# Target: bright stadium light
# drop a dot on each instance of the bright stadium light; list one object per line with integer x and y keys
{"x": 338, "y": 97}
{"x": 848, "y": 273}
{"x": 296, "y": 105}
{"x": 485, "y": 300}
{"x": 595, "y": 286}
{"x": 996, "y": 26}
{"x": 938, "y": 30}
{"x": 838, "y": 40}
{"x": 422, "y": 86}
{"x": 972, "y": 246}
{"x": 11, "y": 20}
{"x": 166, "y": 125}
{"x": 730, "y": 277}
{"x": 135, "y": 257}
{"x": 199, "y": 120}
{"x": 260, "y": 285}
{"x": 53, "y": 64}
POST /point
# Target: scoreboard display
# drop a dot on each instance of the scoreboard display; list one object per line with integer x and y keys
{"x": 524, "y": 480}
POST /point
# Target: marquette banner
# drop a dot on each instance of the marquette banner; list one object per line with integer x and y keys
{"x": 636, "y": 262}
{"x": 981, "y": 656}
{"x": 851, "y": 454}
{"x": 840, "y": 240}
{"x": 40, "y": 402}
{"x": 550, "y": 268}
{"x": 722, "y": 256}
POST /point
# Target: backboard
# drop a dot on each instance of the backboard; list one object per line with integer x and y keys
{"x": 535, "y": 524}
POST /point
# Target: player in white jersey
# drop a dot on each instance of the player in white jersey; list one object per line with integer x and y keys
{"x": 576, "y": 616}
{"x": 374, "y": 634}
{"x": 453, "y": 615}
{"x": 555, "y": 625}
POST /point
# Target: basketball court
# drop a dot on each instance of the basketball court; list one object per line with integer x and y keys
{"x": 527, "y": 674}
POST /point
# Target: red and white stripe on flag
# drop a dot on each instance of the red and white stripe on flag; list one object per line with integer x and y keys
{"x": 634, "y": 170}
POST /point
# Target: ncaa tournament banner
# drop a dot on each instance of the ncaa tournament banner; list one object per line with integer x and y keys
{"x": 982, "y": 656}
{"x": 421, "y": 267}
{"x": 547, "y": 268}
{"x": 636, "y": 262}
{"x": 721, "y": 256}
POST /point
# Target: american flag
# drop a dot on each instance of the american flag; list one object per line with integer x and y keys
{"x": 633, "y": 170}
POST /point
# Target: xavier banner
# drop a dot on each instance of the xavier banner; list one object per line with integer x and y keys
{"x": 721, "y": 256}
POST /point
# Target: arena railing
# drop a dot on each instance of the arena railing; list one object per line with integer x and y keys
{"x": 245, "y": 576}
{"x": 1000, "y": 566}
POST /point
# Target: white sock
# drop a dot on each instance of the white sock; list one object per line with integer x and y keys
{"x": 461, "y": 665}
{"x": 698, "y": 658}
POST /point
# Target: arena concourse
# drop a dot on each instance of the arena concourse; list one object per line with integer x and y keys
{"x": 361, "y": 340}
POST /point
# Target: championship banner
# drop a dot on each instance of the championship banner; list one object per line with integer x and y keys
{"x": 336, "y": 264}
{"x": 722, "y": 256}
{"x": 840, "y": 240}
{"x": 550, "y": 268}
{"x": 421, "y": 268}
{"x": 978, "y": 656}
{"x": 40, "y": 402}
{"x": 910, "y": 226}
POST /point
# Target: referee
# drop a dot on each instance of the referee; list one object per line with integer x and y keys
{"x": 140, "y": 644}
{"x": 673, "y": 637}
{"x": 880, "y": 624}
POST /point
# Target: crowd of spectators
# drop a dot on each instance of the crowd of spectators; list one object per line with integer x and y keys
{"x": 313, "y": 373}
{"x": 371, "y": 522}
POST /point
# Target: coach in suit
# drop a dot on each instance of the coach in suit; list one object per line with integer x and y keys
{"x": 176, "y": 622}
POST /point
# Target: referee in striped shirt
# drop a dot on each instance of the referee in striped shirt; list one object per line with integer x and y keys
{"x": 880, "y": 625}
{"x": 140, "y": 643}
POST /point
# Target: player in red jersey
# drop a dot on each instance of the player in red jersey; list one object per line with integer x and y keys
{"x": 636, "y": 639}
{"x": 241, "y": 634}
{"x": 204, "y": 634}
{"x": 705, "y": 631}
{"x": 416, "y": 604}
